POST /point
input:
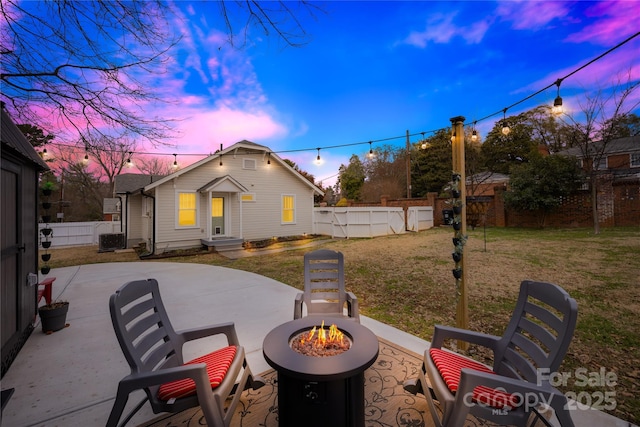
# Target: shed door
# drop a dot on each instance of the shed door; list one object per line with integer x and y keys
{"x": 12, "y": 250}
{"x": 217, "y": 216}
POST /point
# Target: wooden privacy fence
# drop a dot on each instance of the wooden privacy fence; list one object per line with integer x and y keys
{"x": 79, "y": 233}
{"x": 352, "y": 222}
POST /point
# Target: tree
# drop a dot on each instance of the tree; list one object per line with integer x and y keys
{"x": 351, "y": 179}
{"x": 606, "y": 115}
{"x": 502, "y": 151}
{"x": 431, "y": 165}
{"x": 87, "y": 65}
{"x": 385, "y": 174}
{"x": 540, "y": 184}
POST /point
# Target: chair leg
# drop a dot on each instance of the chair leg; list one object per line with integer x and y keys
{"x": 117, "y": 409}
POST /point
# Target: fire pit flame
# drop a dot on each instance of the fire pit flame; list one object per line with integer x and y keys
{"x": 321, "y": 342}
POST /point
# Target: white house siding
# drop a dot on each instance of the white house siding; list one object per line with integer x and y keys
{"x": 269, "y": 184}
{"x": 260, "y": 219}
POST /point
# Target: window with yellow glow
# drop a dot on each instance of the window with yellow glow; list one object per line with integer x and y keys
{"x": 187, "y": 209}
{"x": 248, "y": 197}
{"x": 288, "y": 209}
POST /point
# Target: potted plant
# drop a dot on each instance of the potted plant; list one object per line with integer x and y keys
{"x": 45, "y": 269}
{"x": 47, "y": 188}
{"x": 45, "y": 257}
{"x": 54, "y": 316}
{"x": 46, "y": 244}
{"x": 46, "y": 205}
{"x": 46, "y": 231}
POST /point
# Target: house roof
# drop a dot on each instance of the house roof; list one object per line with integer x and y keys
{"x": 132, "y": 182}
{"x": 630, "y": 144}
{"x": 242, "y": 145}
{"x": 111, "y": 205}
{"x": 15, "y": 141}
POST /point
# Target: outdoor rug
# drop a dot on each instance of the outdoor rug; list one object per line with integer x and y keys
{"x": 387, "y": 404}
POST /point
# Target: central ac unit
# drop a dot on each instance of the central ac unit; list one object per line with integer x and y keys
{"x": 111, "y": 242}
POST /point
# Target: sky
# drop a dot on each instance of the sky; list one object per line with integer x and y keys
{"x": 373, "y": 70}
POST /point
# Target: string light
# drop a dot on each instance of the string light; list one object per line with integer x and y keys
{"x": 371, "y": 155}
{"x": 474, "y": 136}
{"x": 557, "y": 103}
{"x": 175, "y": 161}
{"x": 453, "y": 137}
{"x": 318, "y": 159}
{"x": 474, "y": 133}
{"x": 129, "y": 162}
{"x": 86, "y": 154}
{"x": 505, "y": 126}
{"x": 269, "y": 158}
{"x": 424, "y": 144}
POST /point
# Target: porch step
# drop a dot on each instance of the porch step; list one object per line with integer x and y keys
{"x": 224, "y": 244}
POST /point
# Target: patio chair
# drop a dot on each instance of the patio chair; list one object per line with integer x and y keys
{"x": 153, "y": 350}
{"x": 533, "y": 346}
{"x": 324, "y": 292}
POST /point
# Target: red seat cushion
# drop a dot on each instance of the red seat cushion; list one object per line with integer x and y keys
{"x": 217, "y": 362}
{"x": 450, "y": 366}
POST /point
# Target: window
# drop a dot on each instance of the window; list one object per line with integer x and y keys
{"x": 601, "y": 165}
{"x": 187, "y": 206}
{"x": 248, "y": 197}
{"x": 635, "y": 160}
{"x": 249, "y": 164}
{"x": 288, "y": 209}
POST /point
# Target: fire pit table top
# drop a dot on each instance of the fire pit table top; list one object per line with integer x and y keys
{"x": 280, "y": 356}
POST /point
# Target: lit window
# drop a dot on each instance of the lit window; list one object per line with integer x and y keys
{"x": 635, "y": 160}
{"x": 288, "y": 209}
{"x": 187, "y": 210}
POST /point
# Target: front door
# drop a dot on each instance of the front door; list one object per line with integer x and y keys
{"x": 217, "y": 216}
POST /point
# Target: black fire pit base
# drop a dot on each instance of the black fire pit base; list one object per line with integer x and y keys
{"x": 321, "y": 403}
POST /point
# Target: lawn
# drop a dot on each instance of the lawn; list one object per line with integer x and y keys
{"x": 406, "y": 281}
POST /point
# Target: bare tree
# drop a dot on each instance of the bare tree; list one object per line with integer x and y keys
{"x": 85, "y": 66}
{"x": 155, "y": 166}
{"x": 81, "y": 65}
{"x": 602, "y": 111}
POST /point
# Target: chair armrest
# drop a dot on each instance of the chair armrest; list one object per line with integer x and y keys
{"x": 227, "y": 329}
{"x": 442, "y": 333}
{"x": 297, "y": 306}
{"x": 531, "y": 393}
{"x": 139, "y": 380}
{"x": 352, "y": 305}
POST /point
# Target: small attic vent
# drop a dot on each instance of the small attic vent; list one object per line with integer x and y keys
{"x": 111, "y": 242}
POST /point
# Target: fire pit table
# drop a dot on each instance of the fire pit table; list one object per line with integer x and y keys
{"x": 320, "y": 391}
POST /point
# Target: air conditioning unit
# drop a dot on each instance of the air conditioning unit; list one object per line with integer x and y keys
{"x": 111, "y": 242}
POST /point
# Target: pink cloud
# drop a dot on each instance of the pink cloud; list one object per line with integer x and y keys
{"x": 613, "y": 22}
{"x": 441, "y": 28}
{"x": 532, "y": 14}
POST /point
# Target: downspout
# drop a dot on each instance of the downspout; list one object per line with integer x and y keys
{"x": 153, "y": 227}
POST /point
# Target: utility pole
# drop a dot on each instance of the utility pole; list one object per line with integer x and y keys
{"x": 408, "y": 167}
{"x": 457, "y": 147}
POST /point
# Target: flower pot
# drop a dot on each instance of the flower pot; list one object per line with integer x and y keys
{"x": 45, "y": 257}
{"x": 45, "y": 269}
{"x": 46, "y": 231}
{"x": 457, "y": 257}
{"x": 46, "y": 244}
{"x": 457, "y": 226}
{"x": 53, "y": 316}
{"x": 455, "y": 177}
{"x": 455, "y": 194}
{"x": 457, "y": 210}
{"x": 47, "y": 191}
{"x": 456, "y": 241}
{"x": 457, "y": 273}
{"x": 46, "y": 205}
{"x": 46, "y": 219}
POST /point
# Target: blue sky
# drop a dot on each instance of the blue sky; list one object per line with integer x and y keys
{"x": 373, "y": 70}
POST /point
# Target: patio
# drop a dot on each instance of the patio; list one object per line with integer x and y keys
{"x": 69, "y": 378}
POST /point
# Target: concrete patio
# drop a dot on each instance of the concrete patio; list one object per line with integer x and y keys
{"x": 69, "y": 378}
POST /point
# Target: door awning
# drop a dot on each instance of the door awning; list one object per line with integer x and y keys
{"x": 223, "y": 184}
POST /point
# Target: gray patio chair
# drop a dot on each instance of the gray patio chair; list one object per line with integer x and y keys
{"x": 533, "y": 345}
{"x": 324, "y": 291}
{"x": 153, "y": 350}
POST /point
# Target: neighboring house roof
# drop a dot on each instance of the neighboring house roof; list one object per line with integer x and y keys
{"x": 628, "y": 144}
{"x": 246, "y": 145}
{"x": 223, "y": 183}
{"x": 111, "y": 205}
{"x": 488, "y": 178}
{"x": 15, "y": 140}
{"x": 132, "y": 182}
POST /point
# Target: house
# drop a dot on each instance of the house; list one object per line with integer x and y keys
{"x": 242, "y": 193}
{"x": 621, "y": 157}
{"x": 21, "y": 168}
